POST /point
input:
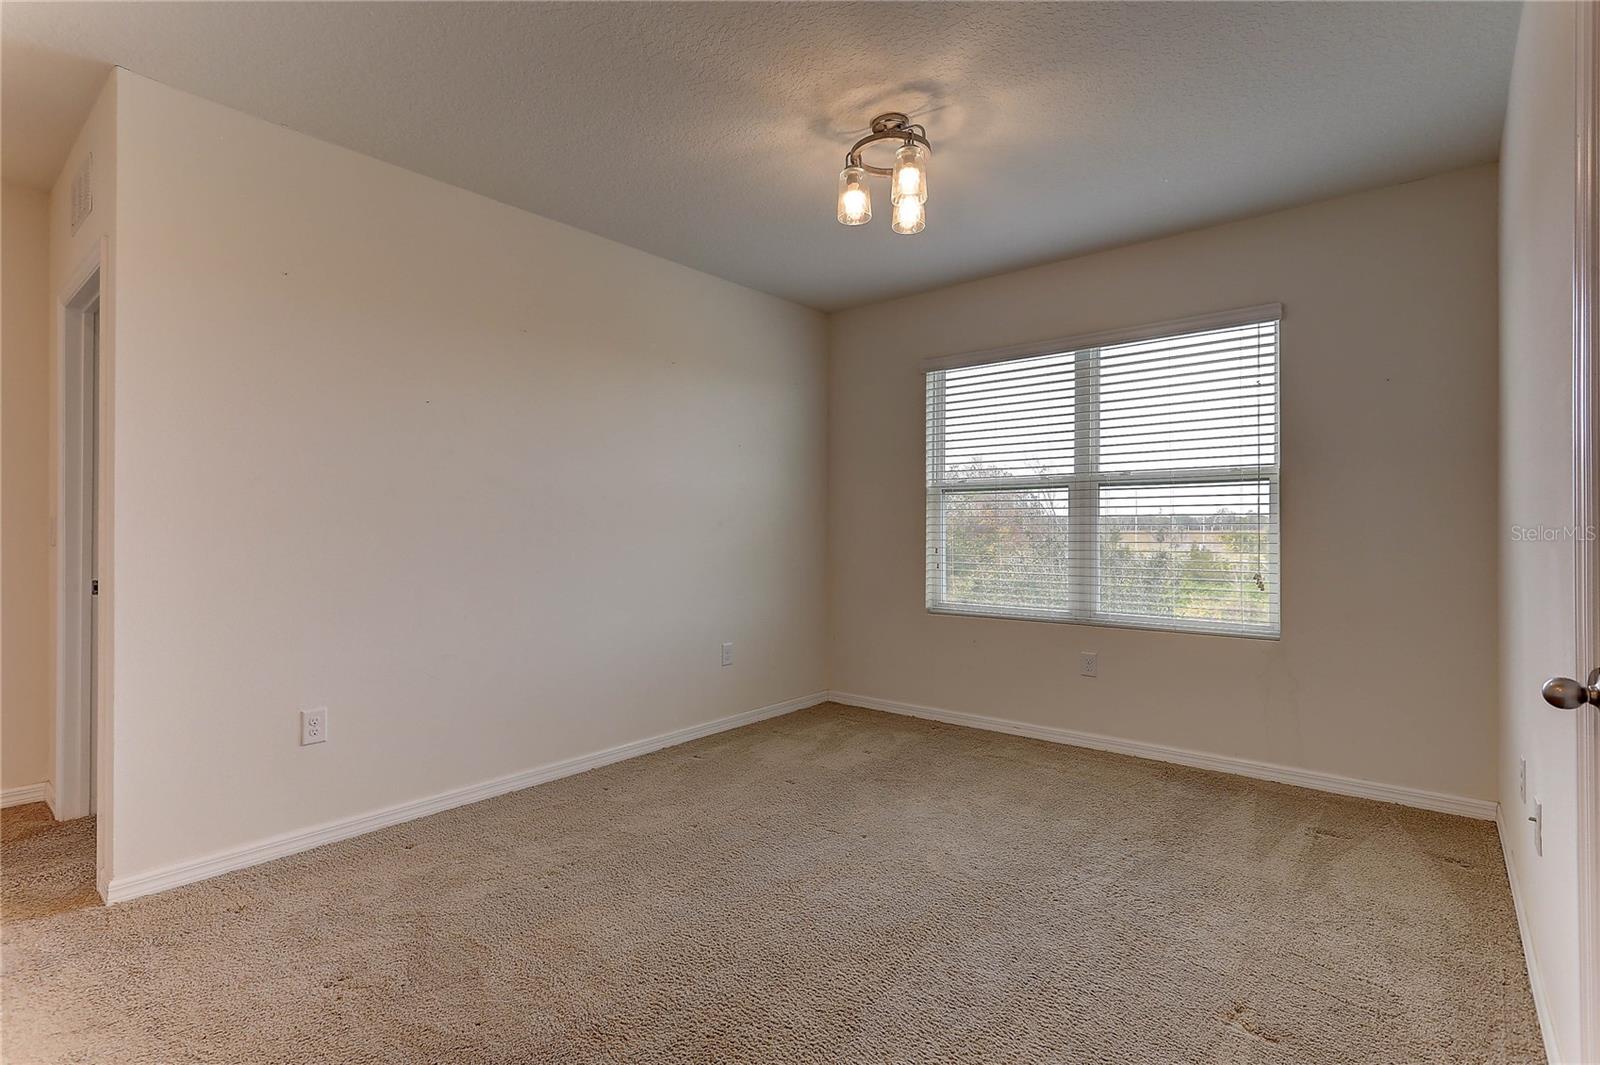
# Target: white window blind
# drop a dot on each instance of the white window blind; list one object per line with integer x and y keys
{"x": 1123, "y": 479}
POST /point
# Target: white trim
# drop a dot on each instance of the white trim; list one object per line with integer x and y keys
{"x": 1541, "y": 997}
{"x": 92, "y": 263}
{"x": 1482, "y": 809}
{"x": 1197, "y": 323}
{"x": 1104, "y": 621}
{"x": 25, "y": 794}
{"x": 123, "y": 888}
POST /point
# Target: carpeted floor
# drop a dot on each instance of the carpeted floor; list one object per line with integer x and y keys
{"x": 46, "y": 866}
{"x": 833, "y": 886}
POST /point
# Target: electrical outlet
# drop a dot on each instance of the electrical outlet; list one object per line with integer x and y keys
{"x": 727, "y": 654}
{"x": 1089, "y": 663}
{"x": 313, "y": 726}
{"x": 1538, "y": 827}
{"x": 1522, "y": 779}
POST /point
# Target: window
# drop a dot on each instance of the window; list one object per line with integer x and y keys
{"x": 1128, "y": 478}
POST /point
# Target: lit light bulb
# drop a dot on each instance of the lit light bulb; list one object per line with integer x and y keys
{"x": 855, "y": 200}
{"x": 909, "y": 216}
{"x": 910, "y": 179}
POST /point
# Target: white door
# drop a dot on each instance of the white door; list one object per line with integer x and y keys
{"x": 1567, "y": 694}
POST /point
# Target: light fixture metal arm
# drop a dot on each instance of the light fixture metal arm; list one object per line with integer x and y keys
{"x": 888, "y": 127}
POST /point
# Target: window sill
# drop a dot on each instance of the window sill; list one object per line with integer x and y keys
{"x": 1108, "y": 621}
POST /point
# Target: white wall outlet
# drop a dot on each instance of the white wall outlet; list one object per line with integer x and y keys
{"x": 727, "y": 654}
{"x": 313, "y": 726}
{"x": 1538, "y": 827}
{"x": 1089, "y": 663}
{"x": 1522, "y": 779}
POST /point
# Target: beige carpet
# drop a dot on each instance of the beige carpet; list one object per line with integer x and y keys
{"x": 832, "y": 886}
{"x": 46, "y": 866}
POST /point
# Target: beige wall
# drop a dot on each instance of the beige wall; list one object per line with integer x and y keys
{"x": 491, "y": 489}
{"x": 1386, "y": 668}
{"x": 25, "y": 714}
{"x": 1536, "y": 598}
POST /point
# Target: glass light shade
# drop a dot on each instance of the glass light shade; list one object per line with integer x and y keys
{"x": 910, "y": 176}
{"x": 909, "y": 216}
{"x": 855, "y": 199}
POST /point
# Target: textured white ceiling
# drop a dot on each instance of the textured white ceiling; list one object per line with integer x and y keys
{"x": 712, "y": 134}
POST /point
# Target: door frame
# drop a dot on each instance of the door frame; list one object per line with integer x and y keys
{"x": 76, "y": 442}
{"x": 1586, "y": 496}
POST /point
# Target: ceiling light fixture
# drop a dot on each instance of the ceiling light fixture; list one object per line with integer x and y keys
{"x": 908, "y": 179}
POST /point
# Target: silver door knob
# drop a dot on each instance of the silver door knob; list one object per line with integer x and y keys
{"x": 1567, "y": 694}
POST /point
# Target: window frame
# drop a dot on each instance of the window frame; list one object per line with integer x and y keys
{"x": 1083, "y": 520}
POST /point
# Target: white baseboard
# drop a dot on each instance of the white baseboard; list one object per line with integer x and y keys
{"x": 1541, "y": 1000}
{"x": 1481, "y": 809}
{"x": 25, "y": 794}
{"x": 123, "y": 888}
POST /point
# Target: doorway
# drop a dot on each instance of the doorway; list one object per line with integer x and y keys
{"x": 78, "y": 635}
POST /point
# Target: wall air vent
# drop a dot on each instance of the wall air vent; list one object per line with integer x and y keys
{"x": 82, "y": 193}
